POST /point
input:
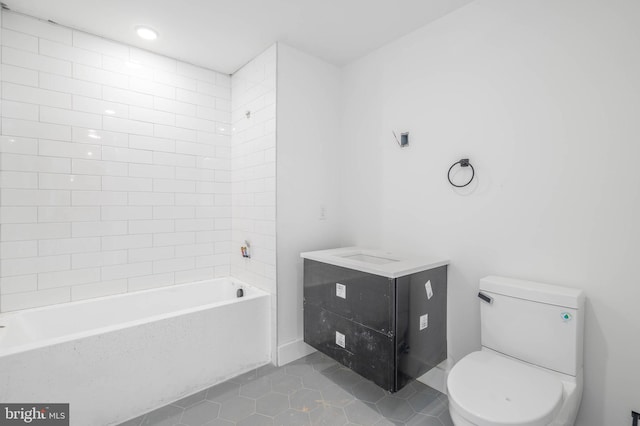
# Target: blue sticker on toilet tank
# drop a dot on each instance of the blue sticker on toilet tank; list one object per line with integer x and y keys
{"x": 566, "y": 316}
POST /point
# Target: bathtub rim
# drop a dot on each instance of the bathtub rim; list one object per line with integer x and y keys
{"x": 120, "y": 326}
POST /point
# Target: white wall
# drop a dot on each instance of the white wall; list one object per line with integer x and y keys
{"x": 254, "y": 175}
{"x": 115, "y": 167}
{"x": 543, "y": 97}
{"x": 307, "y": 180}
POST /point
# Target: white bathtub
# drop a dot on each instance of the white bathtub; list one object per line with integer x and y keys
{"x": 116, "y": 357}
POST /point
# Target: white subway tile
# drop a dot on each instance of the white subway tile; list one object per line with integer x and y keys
{"x": 20, "y": 41}
{"x": 194, "y": 199}
{"x": 223, "y": 80}
{"x": 98, "y": 167}
{"x": 34, "y": 299}
{"x": 68, "y": 278}
{"x": 68, "y": 214}
{"x": 172, "y": 265}
{"x": 173, "y": 212}
{"x": 150, "y": 226}
{"x": 195, "y": 98}
{"x": 149, "y": 254}
{"x": 102, "y": 137}
{"x": 70, "y": 85}
{"x": 69, "y": 149}
{"x": 35, "y": 231}
{"x": 192, "y": 275}
{"x": 151, "y": 143}
{"x": 128, "y": 97}
{"x": 99, "y": 289}
{"x": 127, "y": 126}
{"x": 69, "y": 53}
{"x": 32, "y": 61}
{"x": 195, "y": 123}
{"x": 101, "y": 258}
{"x": 19, "y": 75}
{"x": 98, "y": 198}
{"x": 100, "y": 45}
{"x": 152, "y": 199}
{"x": 213, "y": 90}
{"x": 193, "y": 250}
{"x": 36, "y": 27}
{"x": 73, "y": 118}
{"x": 123, "y": 66}
{"x": 212, "y": 260}
{"x": 59, "y": 181}
{"x": 170, "y": 159}
{"x": 175, "y": 80}
{"x": 173, "y": 239}
{"x": 18, "y": 180}
{"x": 33, "y": 95}
{"x": 97, "y": 106}
{"x": 153, "y": 60}
{"x": 195, "y": 72}
{"x": 12, "y": 267}
{"x": 19, "y": 110}
{"x": 150, "y": 281}
{"x": 19, "y": 284}
{"x": 97, "y": 229}
{"x": 119, "y": 242}
{"x": 34, "y": 197}
{"x": 151, "y": 116}
{"x": 68, "y": 246}
{"x": 125, "y": 271}
{"x": 151, "y": 88}
{"x": 144, "y": 170}
{"x": 171, "y": 132}
{"x": 100, "y": 76}
{"x": 194, "y": 225}
{"x": 126, "y": 155}
{"x": 18, "y": 215}
{"x": 172, "y": 185}
{"x": 33, "y": 129}
{"x": 170, "y": 105}
{"x": 213, "y": 114}
{"x": 126, "y": 212}
{"x": 18, "y": 249}
{"x": 114, "y": 183}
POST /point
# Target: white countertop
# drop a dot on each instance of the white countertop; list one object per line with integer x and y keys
{"x": 376, "y": 262}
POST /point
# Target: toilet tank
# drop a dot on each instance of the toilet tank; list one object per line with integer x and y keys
{"x": 537, "y": 323}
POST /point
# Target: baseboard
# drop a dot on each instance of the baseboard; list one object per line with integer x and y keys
{"x": 437, "y": 376}
{"x": 293, "y": 350}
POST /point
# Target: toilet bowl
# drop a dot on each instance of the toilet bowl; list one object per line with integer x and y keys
{"x": 529, "y": 371}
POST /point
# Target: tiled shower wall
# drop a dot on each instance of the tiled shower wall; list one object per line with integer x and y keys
{"x": 254, "y": 171}
{"x": 115, "y": 168}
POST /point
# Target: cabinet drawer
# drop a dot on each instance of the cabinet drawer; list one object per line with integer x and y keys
{"x": 366, "y": 351}
{"x": 363, "y": 298}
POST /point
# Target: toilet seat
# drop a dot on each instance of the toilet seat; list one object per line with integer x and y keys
{"x": 488, "y": 389}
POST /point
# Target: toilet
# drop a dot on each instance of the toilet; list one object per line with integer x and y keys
{"x": 529, "y": 370}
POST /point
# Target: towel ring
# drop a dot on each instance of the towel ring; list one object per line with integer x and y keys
{"x": 463, "y": 163}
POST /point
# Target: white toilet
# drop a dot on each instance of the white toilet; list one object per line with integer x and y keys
{"x": 529, "y": 371}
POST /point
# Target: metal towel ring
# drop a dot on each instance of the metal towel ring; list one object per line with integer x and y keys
{"x": 463, "y": 163}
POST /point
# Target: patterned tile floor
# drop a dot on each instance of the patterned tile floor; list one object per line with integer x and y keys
{"x": 314, "y": 390}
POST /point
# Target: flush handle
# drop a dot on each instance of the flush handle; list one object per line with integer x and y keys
{"x": 485, "y": 298}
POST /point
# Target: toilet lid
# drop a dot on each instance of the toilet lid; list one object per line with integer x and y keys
{"x": 490, "y": 389}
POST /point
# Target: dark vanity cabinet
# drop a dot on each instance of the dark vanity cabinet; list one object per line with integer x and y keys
{"x": 388, "y": 330}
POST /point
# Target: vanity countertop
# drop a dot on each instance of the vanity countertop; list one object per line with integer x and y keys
{"x": 376, "y": 262}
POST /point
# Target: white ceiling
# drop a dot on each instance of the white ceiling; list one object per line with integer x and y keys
{"x": 225, "y": 34}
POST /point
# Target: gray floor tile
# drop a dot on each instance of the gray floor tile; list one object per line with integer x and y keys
{"x": 286, "y": 384}
{"x": 292, "y": 418}
{"x": 256, "y": 388}
{"x": 327, "y": 415}
{"x": 168, "y": 415}
{"x": 335, "y": 395}
{"x": 305, "y": 400}
{"x": 256, "y": 420}
{"x": 272, "y": 404}
{"x": 395, "y": 408}
{"x": 238, "y": 408}
{"x": 368, "y": 391}
{"x": 362, "y": 413}
{"x": 200, "y": 413}
{"x": 313, "y": 390}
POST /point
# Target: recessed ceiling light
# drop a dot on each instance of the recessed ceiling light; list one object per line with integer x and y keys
{"x": 146, "y": 33}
